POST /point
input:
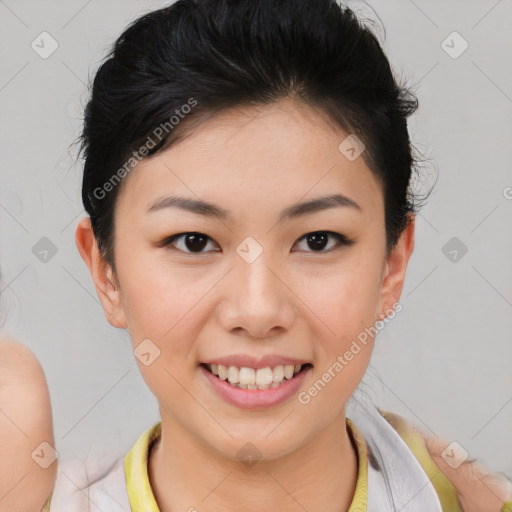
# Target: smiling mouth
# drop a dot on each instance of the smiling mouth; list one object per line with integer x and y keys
{"x": 251, "y": 378}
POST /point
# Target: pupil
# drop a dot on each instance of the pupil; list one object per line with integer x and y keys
{"x": 317, "y": 240}
{"x": 195, "y": 242}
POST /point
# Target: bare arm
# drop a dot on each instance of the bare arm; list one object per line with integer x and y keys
{"x": 28, "y": 467}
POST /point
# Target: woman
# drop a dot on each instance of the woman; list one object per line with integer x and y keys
{"x": 246, "y": 179}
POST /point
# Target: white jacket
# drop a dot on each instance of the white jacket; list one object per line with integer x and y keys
{"x": 396, "y": 481}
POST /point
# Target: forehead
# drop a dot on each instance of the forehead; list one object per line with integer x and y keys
{"x": 250, "y": 156}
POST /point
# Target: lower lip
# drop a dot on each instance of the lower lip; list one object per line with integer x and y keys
{"x": 255, "y": 398}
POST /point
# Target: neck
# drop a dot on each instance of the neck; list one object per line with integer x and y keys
{"x": 185, "y": 474}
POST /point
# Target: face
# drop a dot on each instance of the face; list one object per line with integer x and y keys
{"x": 198, "y": 285}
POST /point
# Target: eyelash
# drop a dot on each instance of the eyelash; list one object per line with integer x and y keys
{"x": 342, "y": 240}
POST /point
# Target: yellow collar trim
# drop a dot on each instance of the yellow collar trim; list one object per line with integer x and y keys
{"x": 359, "y": 502}
{"x": 139, "y": 489}
{"x": 141, "y": 495}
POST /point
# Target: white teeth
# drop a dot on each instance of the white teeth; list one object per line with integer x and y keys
{"x": 278, "y": 373}
{"x": 223, "y": 372}
{"x": 288, "y": 371}
{"x": 264, "y": 376}
{"x": 233, "y": 374}
{"x": 250, "y": 378}
{"x": 247, "y": 376}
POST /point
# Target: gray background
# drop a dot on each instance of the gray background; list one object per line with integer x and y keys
{"x": 444, "y": 362}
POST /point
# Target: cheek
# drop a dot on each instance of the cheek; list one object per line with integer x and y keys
{"x": 343, "y": 316}
{"x": 160, "y": 299}
{"x": 163, "y": 307}
{"x": 344, "y": 297}
{"x": 344, "y": 304}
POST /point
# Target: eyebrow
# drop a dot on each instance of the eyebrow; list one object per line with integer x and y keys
{"x": 211, "y": 210}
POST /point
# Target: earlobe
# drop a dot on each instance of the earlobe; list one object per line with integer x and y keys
{"x": 101, "y": 273}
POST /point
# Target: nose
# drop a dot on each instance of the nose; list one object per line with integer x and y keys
{"x": 258, "y": 301}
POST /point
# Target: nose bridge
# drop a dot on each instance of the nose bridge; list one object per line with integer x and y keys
{"x": 257, "y": 282}
{"x": 257, "y": 301}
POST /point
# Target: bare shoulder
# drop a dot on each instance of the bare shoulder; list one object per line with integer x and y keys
{"x": 28, "y": 466}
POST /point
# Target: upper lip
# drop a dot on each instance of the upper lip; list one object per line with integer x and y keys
{"x": 243, "y": 360}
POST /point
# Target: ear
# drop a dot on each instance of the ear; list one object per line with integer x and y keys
{"x": 395, "y": 268}
{"x": 101, "y": 273}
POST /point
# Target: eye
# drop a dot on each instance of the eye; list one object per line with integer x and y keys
{"x": 193, "y": 241}
{"x": 318, "y": 240}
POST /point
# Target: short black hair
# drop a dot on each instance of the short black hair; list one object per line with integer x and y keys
{"x": 174, "y": 67}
